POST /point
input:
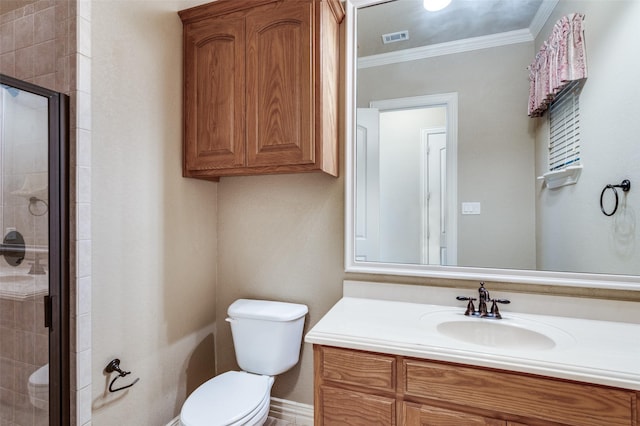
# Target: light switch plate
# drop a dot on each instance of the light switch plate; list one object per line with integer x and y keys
{"x": 471, "y": 208}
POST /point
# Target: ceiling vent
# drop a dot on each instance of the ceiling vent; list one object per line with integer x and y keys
{"x": 394, "y": 37}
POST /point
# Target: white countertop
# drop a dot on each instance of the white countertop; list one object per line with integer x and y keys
{"x": 593, "y": 351}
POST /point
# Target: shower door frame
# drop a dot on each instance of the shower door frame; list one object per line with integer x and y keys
{"x": 57, "y": 305}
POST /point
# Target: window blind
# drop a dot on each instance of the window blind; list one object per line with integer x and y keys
{"x": 564, "y": 126}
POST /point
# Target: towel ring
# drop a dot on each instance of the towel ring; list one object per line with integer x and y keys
{"x": 114, "y": 366}
{"x": 33, "y": 202}
{"x": 625, "y": 185}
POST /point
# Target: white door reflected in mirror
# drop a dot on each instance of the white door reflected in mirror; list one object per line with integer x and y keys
{"x": 367, "y": 176}
{"x": 401, "y": 186}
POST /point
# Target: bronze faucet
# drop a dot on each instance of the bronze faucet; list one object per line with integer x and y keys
{"x": 483, "y": 297}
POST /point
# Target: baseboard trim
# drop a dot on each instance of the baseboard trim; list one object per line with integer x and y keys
{"x": 289, "y": 411}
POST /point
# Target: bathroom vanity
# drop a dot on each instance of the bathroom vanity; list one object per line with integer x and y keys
{"x": 366, "y": 388}
{"x": 389, "y": 362}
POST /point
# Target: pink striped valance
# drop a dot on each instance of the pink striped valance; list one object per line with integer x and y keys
{"x": 561, "y": 60}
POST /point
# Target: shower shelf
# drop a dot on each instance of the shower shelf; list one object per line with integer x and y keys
{"x": 42, "y": 192}
{"x": 29, "y": 191}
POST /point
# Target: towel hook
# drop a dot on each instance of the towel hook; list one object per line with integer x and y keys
{"x": 625, "y": 185}
{"x": 114, "y": 365}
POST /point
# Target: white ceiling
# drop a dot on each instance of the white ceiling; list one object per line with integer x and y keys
{"x": 460, "y": 20}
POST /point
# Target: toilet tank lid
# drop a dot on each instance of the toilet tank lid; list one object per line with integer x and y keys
{"x": 266, "y": 310}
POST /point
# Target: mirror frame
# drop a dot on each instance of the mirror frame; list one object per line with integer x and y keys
{"x": 551, "y": 278}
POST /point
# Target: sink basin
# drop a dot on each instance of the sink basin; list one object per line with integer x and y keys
{"x": 511, "y": 333}
{"x": 495, "y": 334}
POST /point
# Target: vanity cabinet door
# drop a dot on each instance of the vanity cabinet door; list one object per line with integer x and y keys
{"x": 346, "y": 407}
{"x": 424, "y": 415}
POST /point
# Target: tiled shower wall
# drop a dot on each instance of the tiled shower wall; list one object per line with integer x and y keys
{"x": 36, "y": 44}
{"x": 47, "y": 42}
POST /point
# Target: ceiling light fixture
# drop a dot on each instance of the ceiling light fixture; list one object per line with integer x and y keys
{"x": 435, "y": 5}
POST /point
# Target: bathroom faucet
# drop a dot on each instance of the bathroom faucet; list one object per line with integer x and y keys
{"x": 36, "y": 267}
{"x": 483, "y": 297}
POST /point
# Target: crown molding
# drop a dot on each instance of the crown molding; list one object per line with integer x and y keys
{"x": 542, "y": 16}
{"x": 458, "y": 46}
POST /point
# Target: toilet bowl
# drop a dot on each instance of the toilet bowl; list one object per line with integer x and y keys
{"x": 239, "y": 398}
{"x": 267, "y": 336}
{"x": 38, "y": 386}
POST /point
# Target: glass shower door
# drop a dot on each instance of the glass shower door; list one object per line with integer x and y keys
{"x": 30, "y": 273}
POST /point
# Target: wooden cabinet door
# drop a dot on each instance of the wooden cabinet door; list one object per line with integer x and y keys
{"x": 424, "y": 415}
{"x": 280, "y": 129}
{"x": 214, "y": 129}
{"x": 340, "y": 407}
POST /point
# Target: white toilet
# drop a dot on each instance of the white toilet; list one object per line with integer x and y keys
{"x": 39, "y": 387}
{"x": 267, "y": 337}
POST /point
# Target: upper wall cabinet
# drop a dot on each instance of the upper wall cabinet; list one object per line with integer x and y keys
{"x": 261, "y": 87}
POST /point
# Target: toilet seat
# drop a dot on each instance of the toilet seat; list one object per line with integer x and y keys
{"x": 38, "y": 386}
{"x": 258, "y": 416}
{"x": 232, "y": 398}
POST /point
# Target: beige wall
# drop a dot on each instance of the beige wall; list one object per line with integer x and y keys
{"x": 154, "y": 233}
{"x": 495, "y": 144}
{"x": 280, "y": 237}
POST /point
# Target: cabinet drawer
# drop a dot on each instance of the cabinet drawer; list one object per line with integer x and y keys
{"x": 517, "y": 394}
{"x": 358, "y": 368}
{"x": 343, "y": 407}
{"x": 424, "y": 415}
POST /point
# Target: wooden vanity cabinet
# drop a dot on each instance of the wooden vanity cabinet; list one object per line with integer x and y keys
{"x": 261, "y": 87}
{"x": 362, "y": 388}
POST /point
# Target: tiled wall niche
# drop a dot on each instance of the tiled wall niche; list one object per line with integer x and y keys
{"x": 47, "y": 42}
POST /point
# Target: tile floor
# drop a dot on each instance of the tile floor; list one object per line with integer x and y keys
{"x": 277, "y": 422}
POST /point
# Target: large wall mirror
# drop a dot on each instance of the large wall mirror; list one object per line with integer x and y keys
{"x": 444, "y": 164}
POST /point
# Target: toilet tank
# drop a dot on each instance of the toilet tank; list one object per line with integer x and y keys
{"x": 266, "y": 335}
